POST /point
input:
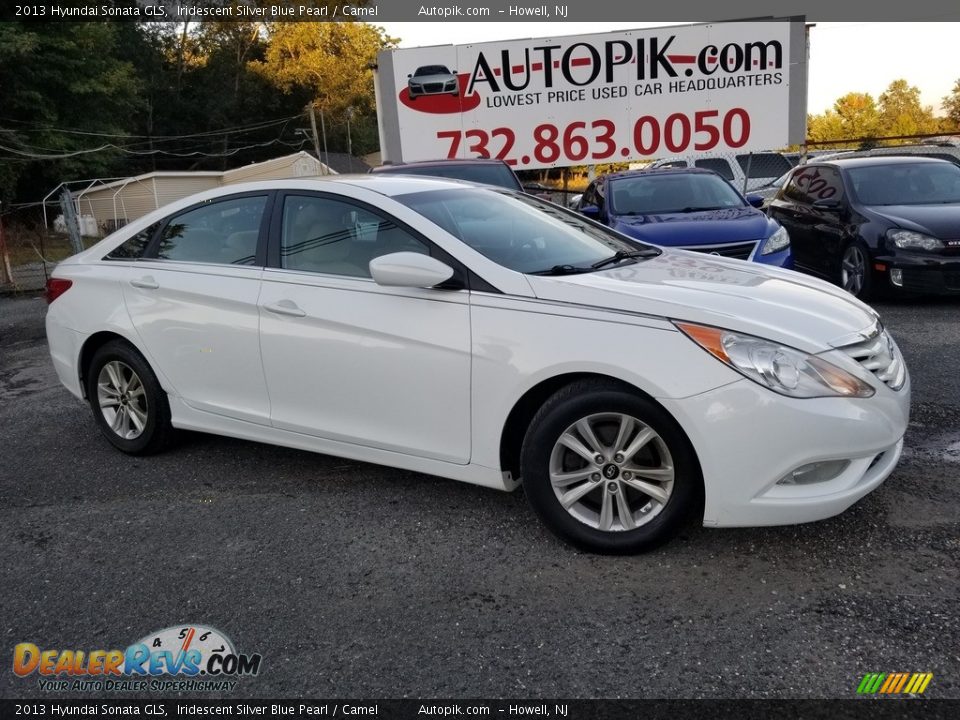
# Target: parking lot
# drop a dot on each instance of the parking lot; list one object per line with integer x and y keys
{"x": 355, "y": 580}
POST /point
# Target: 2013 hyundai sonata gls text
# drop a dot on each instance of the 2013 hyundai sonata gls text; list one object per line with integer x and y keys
{"x": 490, "y": 337}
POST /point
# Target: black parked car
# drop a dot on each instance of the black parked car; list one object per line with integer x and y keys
{"x": 875, "y": 223}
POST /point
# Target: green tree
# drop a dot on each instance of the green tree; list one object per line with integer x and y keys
{"x": 64, "y": 92}
{"x": 901, "y": 113}
{"x": 951, "y": 103}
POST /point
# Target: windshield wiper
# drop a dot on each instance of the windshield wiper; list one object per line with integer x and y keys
{"x": 699, "y": 209}
{"x": 622, "y": 255}
{"x": 563, "y": 270}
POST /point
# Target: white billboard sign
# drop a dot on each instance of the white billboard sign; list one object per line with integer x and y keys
{"x": 588, "y": 99}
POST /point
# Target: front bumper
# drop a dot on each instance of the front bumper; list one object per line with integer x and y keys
{"x": 747, "y": 438}
{"x": 438, "y": 88}
{"x": 921, "y": 274}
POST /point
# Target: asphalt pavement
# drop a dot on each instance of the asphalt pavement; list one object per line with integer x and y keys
{"x": 355, "y": 580}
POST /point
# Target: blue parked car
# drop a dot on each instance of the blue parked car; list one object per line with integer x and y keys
{"x": 689, "y": 208}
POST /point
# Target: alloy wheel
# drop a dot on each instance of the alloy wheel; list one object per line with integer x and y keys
{"x": 853, "y": 270}
{"x": 122, "y": 399}
{"x": 611, "y": 472}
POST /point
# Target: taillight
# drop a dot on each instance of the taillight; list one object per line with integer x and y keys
{"x": 57, "y": 287}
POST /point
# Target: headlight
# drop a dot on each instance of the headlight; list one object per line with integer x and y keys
{"x": 780, "y": 240}
{"x": 910, "y": 240}
{"x": 777, "y": 367}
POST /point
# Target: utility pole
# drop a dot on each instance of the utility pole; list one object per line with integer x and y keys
{"x": 349, "y": 140}
{"x": 316, "y": 140}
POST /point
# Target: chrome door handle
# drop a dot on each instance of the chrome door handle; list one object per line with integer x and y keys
{"x": 147, "y": 283}
{"x": 285, "y": 307}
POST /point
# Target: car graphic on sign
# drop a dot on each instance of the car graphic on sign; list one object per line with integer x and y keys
{"x": 432, "y": 80}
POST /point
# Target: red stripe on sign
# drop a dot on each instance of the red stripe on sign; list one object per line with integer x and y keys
{"x": 576, "y": 62}
{"x": 496, "y": 71}
{"x": 712, "y": 59}
{"x": 682, "y": 58}
{"x": 537, "y": 66}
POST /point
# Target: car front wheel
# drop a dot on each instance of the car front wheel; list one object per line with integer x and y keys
{"x": 855, "y": 274}
{"x": 608, "y": 470}
{"x": 129, "y": 406}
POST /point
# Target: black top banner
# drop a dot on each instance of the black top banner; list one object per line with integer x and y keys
{"x": 471, "y": 11}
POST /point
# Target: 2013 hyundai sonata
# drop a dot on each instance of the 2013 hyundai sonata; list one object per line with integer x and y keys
{"x": 490, "y": 337}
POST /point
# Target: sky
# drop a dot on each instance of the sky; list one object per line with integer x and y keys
{"x": 844, "y": 57}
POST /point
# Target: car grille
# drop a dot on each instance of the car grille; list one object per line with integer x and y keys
{"x": 740, "y": 251}
{"x": 880, "y": 355}
{"x": 433, "y": 87}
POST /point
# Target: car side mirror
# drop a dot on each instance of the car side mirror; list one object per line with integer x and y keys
{"x": 409, "y": 269}
{"x": 591, "y": 211}
{"x": 409, "y": 75}
{"x": 755, "y": 200}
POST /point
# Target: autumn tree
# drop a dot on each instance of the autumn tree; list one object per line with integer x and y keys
{"x": 329, "y": 65}
{"x": 901, "y": 113}
{"x": 951, "y": 103}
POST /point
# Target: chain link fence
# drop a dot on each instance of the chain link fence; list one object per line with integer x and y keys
{"x": 34, "y": 237}
{"x": 29, "y": 250}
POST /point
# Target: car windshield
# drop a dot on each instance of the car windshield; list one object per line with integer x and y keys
{"x": 431, "y": 70}
{"x": 520, "y": 232}
{"x": 665, "y": 193}
{"x": 907, "y": 184}
{"x": 484, "y": 173}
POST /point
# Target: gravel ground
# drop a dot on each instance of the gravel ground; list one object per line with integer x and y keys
{"x": 355, "y": 580}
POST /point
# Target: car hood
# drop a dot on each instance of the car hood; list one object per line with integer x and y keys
{"x": 709, "y": 227}
{"x": 776, "y": 304}
{"x": 940, "y": 221}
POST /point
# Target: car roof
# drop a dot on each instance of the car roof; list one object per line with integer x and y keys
{"x": 387, "y": 184}
{"x": 868, "y": 160}
{"x": 647, "y": 172}
{"x": 396, "y": 167}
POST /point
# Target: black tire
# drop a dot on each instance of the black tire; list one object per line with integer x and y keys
{"x": 593, "y": 398}
{"x": 864, "y": 288}
{"x": 151, "y": 405}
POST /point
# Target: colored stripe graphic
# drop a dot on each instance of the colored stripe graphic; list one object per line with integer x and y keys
{"x": 894, "y": 683}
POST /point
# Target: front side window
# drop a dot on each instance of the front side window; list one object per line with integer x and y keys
{"x": 327, "y": 235}
{"x": 221, "y": 231}
{"x": 519, "y": 232}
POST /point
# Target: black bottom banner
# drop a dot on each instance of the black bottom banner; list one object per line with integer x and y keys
{"x": 874, "y": 709}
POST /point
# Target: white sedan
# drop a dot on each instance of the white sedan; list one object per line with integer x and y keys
{"x": 489, "y": 337}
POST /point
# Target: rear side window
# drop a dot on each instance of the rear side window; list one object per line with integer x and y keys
{"x": 135, "y": 246}
{"x": 763, "y": 165}
{"x": 224, "y": 232}
{"x": 720, "y": 166}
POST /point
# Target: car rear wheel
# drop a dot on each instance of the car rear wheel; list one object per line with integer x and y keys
{"x": 129, "y": 406}
{"x": 855, "y": 274}
{"x": 608, "y": 470}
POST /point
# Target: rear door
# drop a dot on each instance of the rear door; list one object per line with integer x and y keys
{"x": 192, "y": 298}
